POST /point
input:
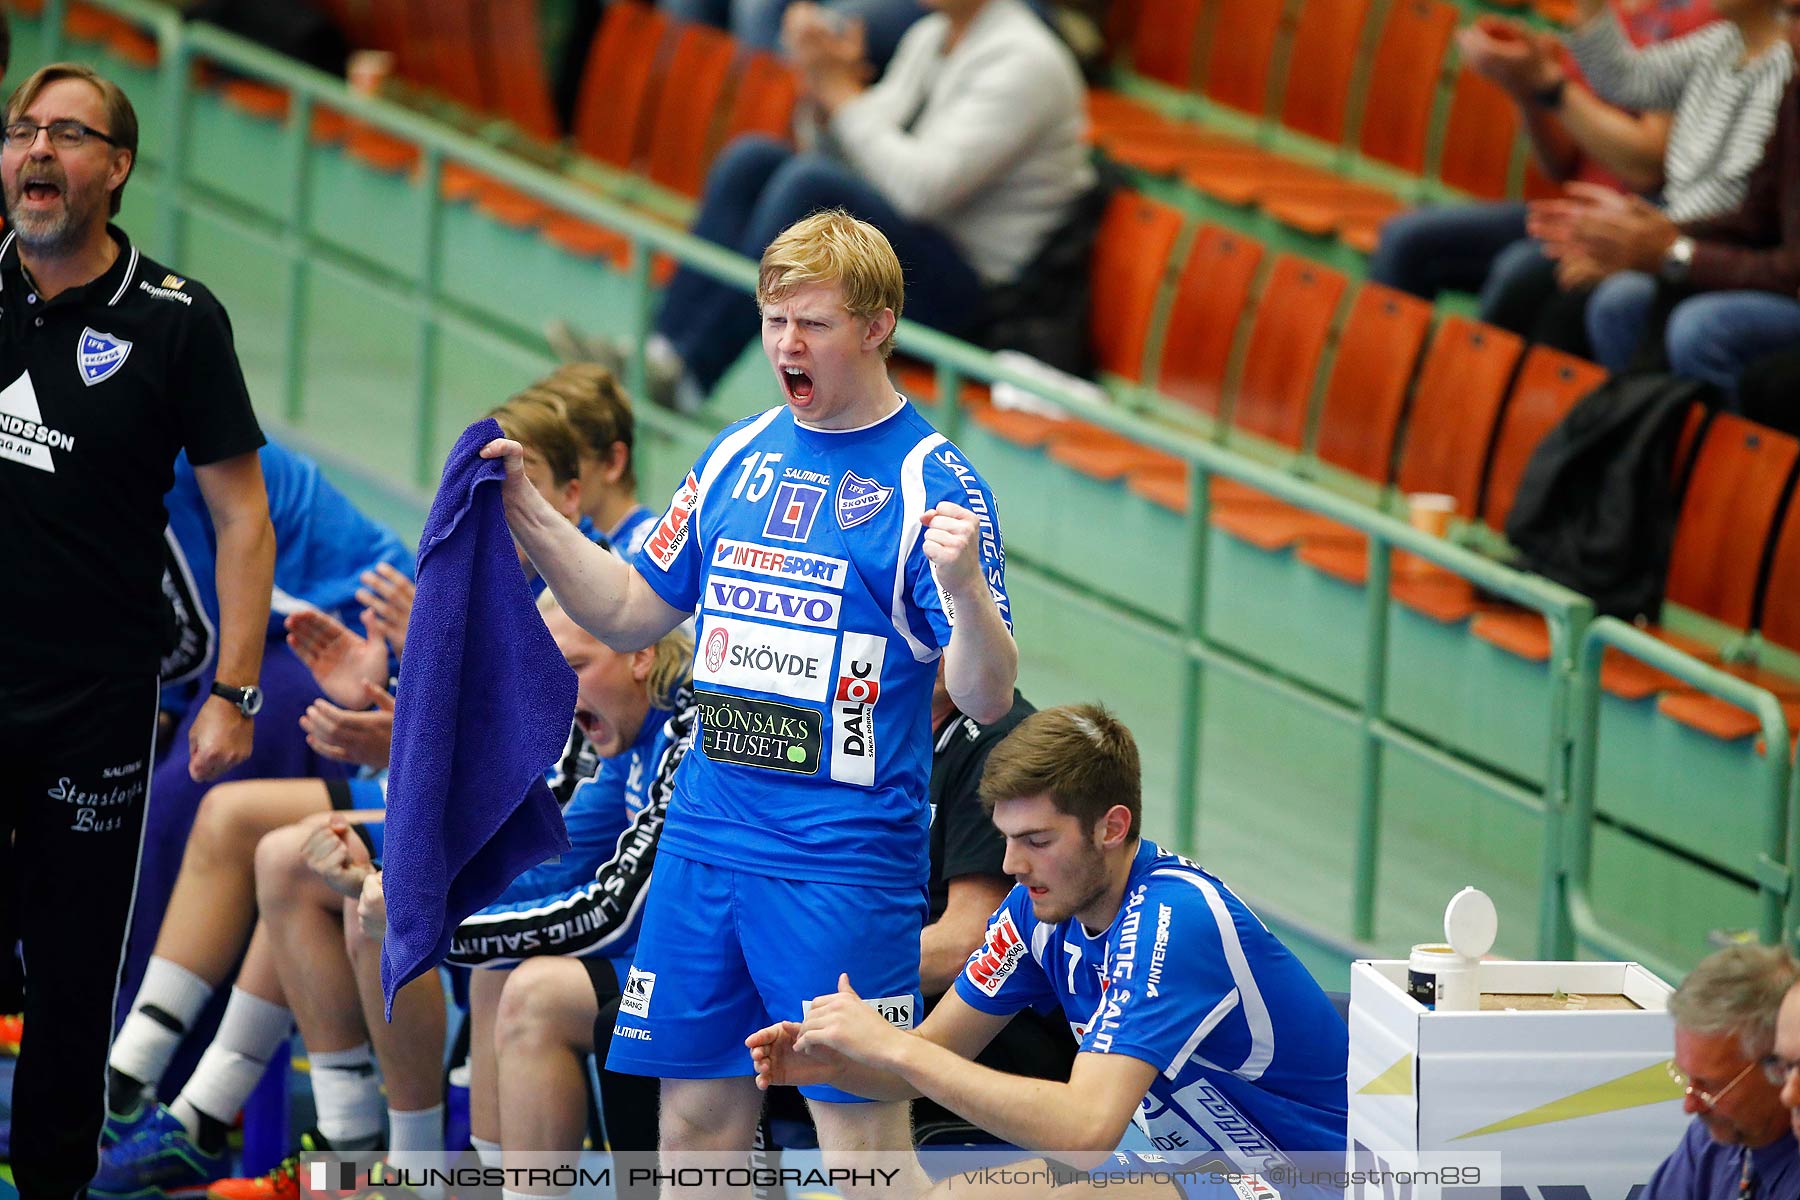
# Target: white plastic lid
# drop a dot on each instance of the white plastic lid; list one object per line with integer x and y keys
{"x": 1470, "y": 922}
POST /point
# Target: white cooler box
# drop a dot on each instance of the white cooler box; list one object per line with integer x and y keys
{"x": 1569, "y": 1099}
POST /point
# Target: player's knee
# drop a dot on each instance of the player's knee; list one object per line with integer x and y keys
{"x": 525, "y": 1016}
{"x": 280, "y": 865}
{"x": 706, "y": 1115}
{"x": 357, "y": 944}
{"x": 220, "y": 827}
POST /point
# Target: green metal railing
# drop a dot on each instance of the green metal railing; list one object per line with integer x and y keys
{"x": 1564, "y": 803}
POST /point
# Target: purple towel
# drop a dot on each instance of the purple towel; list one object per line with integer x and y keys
{"x": 482, "y": 710}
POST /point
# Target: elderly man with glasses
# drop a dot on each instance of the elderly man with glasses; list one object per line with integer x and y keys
{"x": 1741, "y": 1143}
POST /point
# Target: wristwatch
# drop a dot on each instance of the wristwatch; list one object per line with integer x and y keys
{"x": 248, "y": 699}
{"x": 1678, "y": 259}
{"x": 1550, "y": 97}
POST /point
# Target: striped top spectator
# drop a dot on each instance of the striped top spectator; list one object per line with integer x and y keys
{"x": 1724, "y": 109}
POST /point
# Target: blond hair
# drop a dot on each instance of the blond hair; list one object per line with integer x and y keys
{"x": 834, "y": 247}
{"x": 536, "y": 421}
{"x": 1080, "y": 754}
{"x": 596, "y": 407}
{"x": 121, "y": 118}
{"x": 670, "y": 668}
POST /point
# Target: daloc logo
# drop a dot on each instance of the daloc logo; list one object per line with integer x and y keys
{"x": 98, "y": 355}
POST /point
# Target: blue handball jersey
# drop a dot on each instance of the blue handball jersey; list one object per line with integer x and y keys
{"x": 1250, "y": 1054}
{"x": 819, "y": 626}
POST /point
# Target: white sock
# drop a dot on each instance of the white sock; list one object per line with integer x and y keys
{"x": 145, "y": 1044}
{"x": 250, "y": 1033}
{"x": 416, "y": 1142}
{"x": 347, "y": 1094}
{"x": 415, "y": 1132}
{"x": 488, "y": 1152}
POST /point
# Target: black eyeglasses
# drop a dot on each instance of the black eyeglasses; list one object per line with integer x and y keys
{"x": 64, "y": 135}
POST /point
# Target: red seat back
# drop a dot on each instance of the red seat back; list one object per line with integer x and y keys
{"x": 1212, "y": 294}
{"x": 1131, "y": 261}
{"x": 1455, "y": 408}
{"x": 1377, "y": 354}
{"x": 1293, "y": 324}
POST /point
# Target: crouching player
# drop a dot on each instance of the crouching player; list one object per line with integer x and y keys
{"x": 1191, "y": 1014}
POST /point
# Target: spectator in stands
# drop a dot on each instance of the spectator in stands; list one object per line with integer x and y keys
{"x": 87, "y": 458}
{"x": 211, "y": 914}
{"x": 1740, "y": 1142}
{"x": 1723, "y": 86}
{"x": 1728, "y": 284}
{"x": 1226, "y": 1029}
{"x": 1484, "y": 247}
{"x": 757, "y": 23}
{"x": 967, "y": 155}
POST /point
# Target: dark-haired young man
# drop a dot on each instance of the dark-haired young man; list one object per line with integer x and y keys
{"x": 1192, "y": 1016}
{"x": 110, "y": 365}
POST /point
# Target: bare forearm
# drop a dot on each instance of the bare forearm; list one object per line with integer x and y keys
{"x": 981, "y": 663}
{"x": 244, "y": 575}
{"x": 1037, "y": 1114}
{"x": 593, "y": 585}
{"x": 943, "y": 951}
{"x": 1555, "y": 151}
{"x": 1630, "y": 147}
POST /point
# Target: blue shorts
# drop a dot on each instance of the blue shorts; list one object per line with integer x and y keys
{"x": 362, "y": 794}
{"x": 724, "y": 953}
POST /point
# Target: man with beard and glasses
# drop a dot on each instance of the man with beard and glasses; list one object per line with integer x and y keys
{"x": 1739, "y": 1146}
{"x": 110, "y": 366}
{"x": 1191, "y": 1014}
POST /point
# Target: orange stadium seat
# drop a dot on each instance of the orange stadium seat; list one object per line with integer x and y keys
{"x": 514, "y": 47}
{"x": 1739, "y": 482}
{"x": 1240, "y": 59}
{"x": 1212, "y": 294}
{"x": 1477, "y": 147}
{"x": 1130, "y": 264}
{"x": 686, "y": 112}
{"x": 1316, "y": 102}
{"x": 1549, "y": 384}
{"x": 1395, "y": 125}
{"x": 1780, "y": 624}
{"x": 764, "y": 100}
{"x": 1455, "y": 408}
{"x": 1359, "y": 416}
{"x": 618, "y": 86}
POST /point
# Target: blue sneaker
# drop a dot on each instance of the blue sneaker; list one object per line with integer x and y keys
{"x": 121, "y": 1126}
{"x": 159, "y": 1160}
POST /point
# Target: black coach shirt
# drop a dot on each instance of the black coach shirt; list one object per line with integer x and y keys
{"x": 100, "y": 389}
{"x": 963, "y": 838}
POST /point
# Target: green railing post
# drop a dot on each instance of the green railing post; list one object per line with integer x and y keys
{"x": 637, "y": 371}
{"x": 1191, "y": 703}
{"x": 298, "y": 135}
{"x": 1573, "y": 754}
{"x": 177, "y": 99}
{"x": 1374, "y": 705}
{"x": 55, "y": 13}
{"x": 949, "y": 386}
{"x": 431, "y": 224}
